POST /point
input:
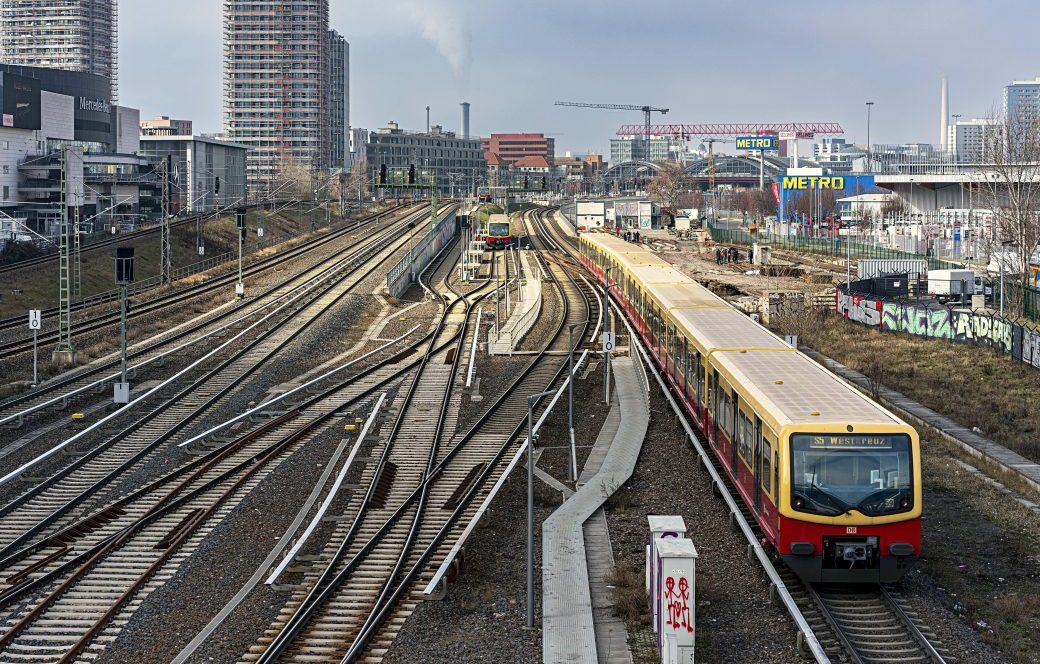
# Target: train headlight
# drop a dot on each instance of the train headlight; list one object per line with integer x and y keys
{"x": 799, "y": 502}
{"x": 905, "y": 503}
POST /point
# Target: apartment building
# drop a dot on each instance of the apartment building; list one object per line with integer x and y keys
{"x": 277, "y": 98}
{"x": 73, "y": 35}
{"x": 339, "y": 100}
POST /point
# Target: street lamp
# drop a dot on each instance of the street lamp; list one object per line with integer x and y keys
{"x": 870, "y": 161}
{"x": 532, "y": 401}
{"x": 570, "y": 396}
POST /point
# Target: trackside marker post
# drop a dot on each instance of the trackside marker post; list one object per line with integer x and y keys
{"x": 34, "y": 325}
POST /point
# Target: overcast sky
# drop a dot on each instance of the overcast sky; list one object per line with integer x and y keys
{"x": 747, "y": 61}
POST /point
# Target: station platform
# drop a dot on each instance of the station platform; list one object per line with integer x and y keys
{"x": 577, "y": 621}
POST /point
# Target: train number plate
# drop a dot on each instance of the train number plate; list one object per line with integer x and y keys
{"x": 850, "y": 530}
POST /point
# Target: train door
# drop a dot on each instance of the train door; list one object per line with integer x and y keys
{"x": 757, "y": 464}
{"x": 713, "y": 402}
{"x": 687, "y": 370}
{"x": 699, "y": 368}
{"x": 733, "y": 435}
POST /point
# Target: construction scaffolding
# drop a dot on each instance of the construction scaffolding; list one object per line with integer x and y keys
{"x": 75, "y": 35}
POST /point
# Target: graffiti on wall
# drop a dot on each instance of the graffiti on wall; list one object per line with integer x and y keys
{"x": 1031, "y": 348}
{"x": 859, "y": 309}
{"x": 917, "y": 319}
{"x": 973, "y": 327}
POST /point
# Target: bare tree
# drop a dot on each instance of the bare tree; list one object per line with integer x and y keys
{"x": 673, "y": 188}
{"x": 1011, "y": 187}
{"x": 297, "y": 180}
{"x": 357, "y": 184}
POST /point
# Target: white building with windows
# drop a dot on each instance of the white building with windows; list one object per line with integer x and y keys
{"x": 1022, "y": 100}
{"x": 968, "y": 139}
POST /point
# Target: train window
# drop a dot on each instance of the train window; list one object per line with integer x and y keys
{"x": 832, "y": 474}
{"x": 699, "y": 368}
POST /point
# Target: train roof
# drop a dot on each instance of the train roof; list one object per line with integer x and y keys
{"x": 686, "y": 296}
{"x": 791, "y": 387}
{"x": 713, "y": 329}
{"x": 657, "y": 275}
{"x": 626, "y": 253}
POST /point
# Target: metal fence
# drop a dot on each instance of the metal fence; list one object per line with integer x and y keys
{"x": 837, "y": 247}
{"x": 405, "y": 273}
{"x": 978, "y": 327}
{"x": 1032, "y": 303}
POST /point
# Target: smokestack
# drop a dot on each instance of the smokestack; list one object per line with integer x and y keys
{"x": 465, "y": 119}
{"x": 427, "y": 119}
{"x": 944, "y": 122}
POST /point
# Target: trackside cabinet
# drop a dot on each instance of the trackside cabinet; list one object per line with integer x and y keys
{"x": 660, "y": 527}
{"x": 675, "y": 577}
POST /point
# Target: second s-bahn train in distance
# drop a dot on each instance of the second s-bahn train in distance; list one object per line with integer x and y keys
{"x": 833, "y": 479}
{"x": 503, "y": 230}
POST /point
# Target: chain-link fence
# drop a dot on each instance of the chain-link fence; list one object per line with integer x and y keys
{"x": 838, "y": 247}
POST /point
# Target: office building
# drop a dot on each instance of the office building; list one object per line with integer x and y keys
{"x": 206, "y": 173}
{"x": 339, "y": 100}
{"x": 72, "y": 35}
{"x": 276, "y": 86}
{"x": 46, "y": 111}
{"x": 511, "y": 148}
{"x": 164, "y": 126}
{"x": 633, "y": 148}
{"x": 456, "y": 163}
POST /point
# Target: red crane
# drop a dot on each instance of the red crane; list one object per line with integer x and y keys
{"x": 685, "y": 131}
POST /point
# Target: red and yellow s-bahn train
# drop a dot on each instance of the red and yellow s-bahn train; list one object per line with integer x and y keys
{"x": 833, "y": 479}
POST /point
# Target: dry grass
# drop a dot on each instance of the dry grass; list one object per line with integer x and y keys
{"x": 974, "y": 386}
{"x": 629, "y": 594}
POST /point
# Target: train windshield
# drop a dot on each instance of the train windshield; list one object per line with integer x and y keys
{"x": 498, "y": 229}
{"x": 834, "y": 474}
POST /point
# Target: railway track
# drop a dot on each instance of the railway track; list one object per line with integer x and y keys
{"x": 175, "y": 344}
{"x": 95, "y": 470}
{"x": 178, "y": 296}
{"x": 367, "y": 584}
{"x": 858, "y": 623}
{"x": 69, "y": 587}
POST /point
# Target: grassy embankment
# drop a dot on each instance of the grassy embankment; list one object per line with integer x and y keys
{"x": 38, "y": 288}
{"x": 979, "y": 543}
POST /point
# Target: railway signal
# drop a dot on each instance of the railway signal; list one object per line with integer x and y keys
{"x": 124, "y": 274}
{"x": 240, "y": 221}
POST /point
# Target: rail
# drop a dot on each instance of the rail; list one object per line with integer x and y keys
{"x": 457, "y": 548}
{"x": 333, "y": 492}
{"x": 267, "y": 404}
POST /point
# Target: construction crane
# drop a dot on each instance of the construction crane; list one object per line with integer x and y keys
{"x": 647, "y": 111}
